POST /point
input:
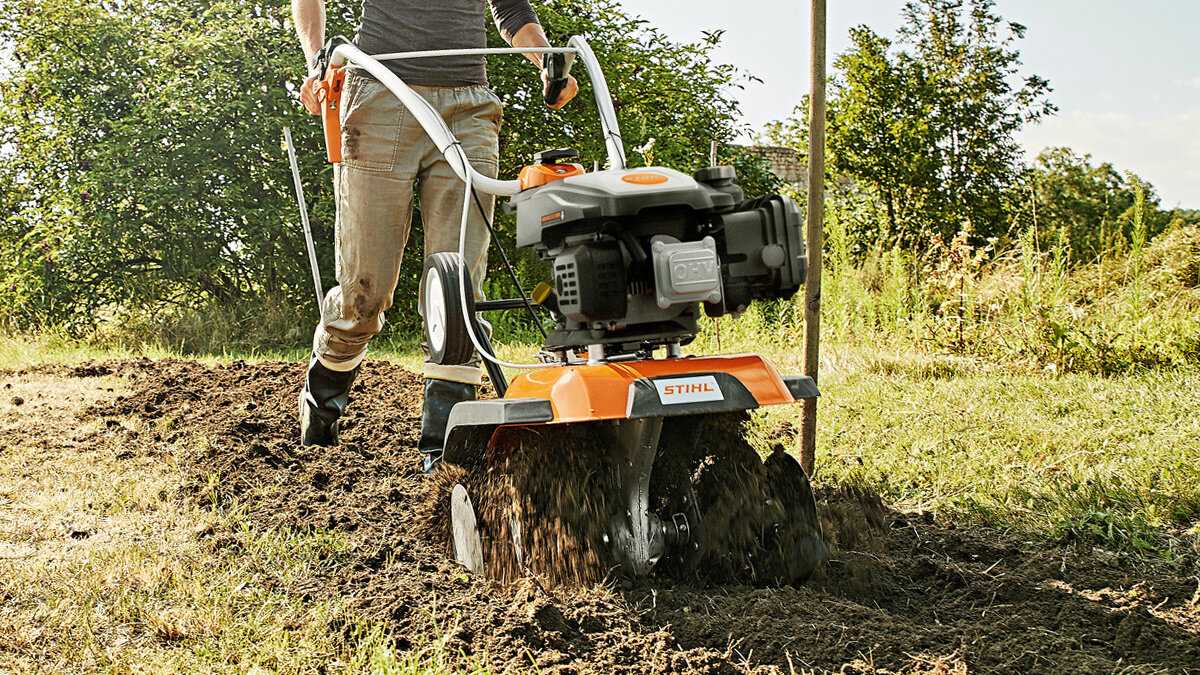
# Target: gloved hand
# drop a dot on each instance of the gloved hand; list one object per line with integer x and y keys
{"x": 558, "y": 85}
{"x": 568, "y": 92}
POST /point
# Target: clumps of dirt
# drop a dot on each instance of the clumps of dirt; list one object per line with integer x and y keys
{"x": 91, "y": 370}
{"x": 538, "y": 506}
{"x": 543, "y": 497}
{"x": 240, "y": 425}
{"x": 900, "y": 593}
{"x": 548, "y": 503}
{"x": 429, "y": 511}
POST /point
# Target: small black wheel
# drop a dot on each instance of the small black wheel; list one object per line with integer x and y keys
{"x": 445, "y": 324}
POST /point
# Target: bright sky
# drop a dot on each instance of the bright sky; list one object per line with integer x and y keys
{"x": 1126, "y": 75}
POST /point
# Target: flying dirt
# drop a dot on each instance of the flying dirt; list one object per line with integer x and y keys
{"x": 543, "y": 505}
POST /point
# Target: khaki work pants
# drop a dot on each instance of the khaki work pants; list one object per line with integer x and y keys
{"x": 386, "y": 154}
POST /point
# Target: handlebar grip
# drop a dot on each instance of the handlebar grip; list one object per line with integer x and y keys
{"x": 558, "y": 69}
{"x": 555, "y": 90}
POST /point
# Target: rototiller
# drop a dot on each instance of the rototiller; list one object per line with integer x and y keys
{"x": 615, "y": 453}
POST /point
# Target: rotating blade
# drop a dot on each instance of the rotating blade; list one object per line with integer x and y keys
{"x": 749, "y": 521}
{"x": 543, "y": 495}
{"x": 468, "y": 547}
{"x": 794, "y": 544}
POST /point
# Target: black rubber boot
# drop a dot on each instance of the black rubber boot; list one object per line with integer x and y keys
{"x": 440, "y": 397}
{"x": 324, "y": 398}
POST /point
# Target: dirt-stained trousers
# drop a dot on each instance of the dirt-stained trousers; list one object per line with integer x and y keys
{"x": 386, "y": 154}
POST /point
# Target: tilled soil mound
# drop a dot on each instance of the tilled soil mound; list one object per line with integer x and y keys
{"x": 900, "y": 593}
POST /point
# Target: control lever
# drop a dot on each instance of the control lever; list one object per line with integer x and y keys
{"x": 557, "y": 68}
{"x": 331, "y": 80}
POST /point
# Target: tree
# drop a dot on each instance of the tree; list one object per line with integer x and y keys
{"x": 148, "y": 153}
{"x": 1092, "y": 204}
{"x": 927, "y": 123}
{"x": 144, "y": 170}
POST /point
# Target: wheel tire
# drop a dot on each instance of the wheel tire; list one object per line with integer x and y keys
{"x": 445, "y": 324}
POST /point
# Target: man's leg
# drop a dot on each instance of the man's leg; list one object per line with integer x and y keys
{"x": 474, "y": 117}
{"x": 374, "y": 196}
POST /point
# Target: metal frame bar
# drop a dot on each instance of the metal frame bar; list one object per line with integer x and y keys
{"x": 441, "y": 135}
{"x": 474, "y": 51}
{"x": 604, "y": 103}
{"x": 308, "y": 237}
{"x": 435, "y": 127}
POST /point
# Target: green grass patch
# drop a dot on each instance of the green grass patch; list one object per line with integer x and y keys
{"x": 1079, "y": 458}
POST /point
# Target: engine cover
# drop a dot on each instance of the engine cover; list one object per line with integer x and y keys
{"x": 590, "y": 282}
{"x": 686, "y": 271}
{"x": 635, "y": 253}
{"x": 546, "y": 215}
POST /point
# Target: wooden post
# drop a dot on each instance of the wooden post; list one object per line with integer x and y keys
{"x": 816, "y": 239}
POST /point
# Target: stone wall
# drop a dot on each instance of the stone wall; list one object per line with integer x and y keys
{"x": 787, "y": 163}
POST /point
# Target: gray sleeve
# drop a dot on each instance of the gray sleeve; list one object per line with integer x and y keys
{"x": 511, "y": 16}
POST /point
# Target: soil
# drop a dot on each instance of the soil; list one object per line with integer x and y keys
{"x": 901, "y": 592}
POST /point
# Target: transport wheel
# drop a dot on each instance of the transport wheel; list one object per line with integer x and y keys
{"x": 441, "y": 303}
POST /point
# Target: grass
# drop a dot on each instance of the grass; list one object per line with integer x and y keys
{"x": 1024, "y": 307}
{"x": 106, "y": 567}
{"x": 1076, "y": 458}
{"x": 1109, "y": 460}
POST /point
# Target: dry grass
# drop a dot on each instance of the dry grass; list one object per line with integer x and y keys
{"x": 105, "y": 566}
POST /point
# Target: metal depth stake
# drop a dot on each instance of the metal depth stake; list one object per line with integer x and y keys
{"x": 308, "y": 238}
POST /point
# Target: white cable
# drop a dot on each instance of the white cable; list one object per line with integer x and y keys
{"x": 462, "y": 280}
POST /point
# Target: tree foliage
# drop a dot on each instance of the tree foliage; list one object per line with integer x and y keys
{"x": 1092, "y": 206}
{"x": 141, "y": 166}
{"x": 926, "y": 123}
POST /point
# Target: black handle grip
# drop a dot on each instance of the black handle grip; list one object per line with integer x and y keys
{"x": 557, "y": 68}
{"x": 555, "y": 90}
